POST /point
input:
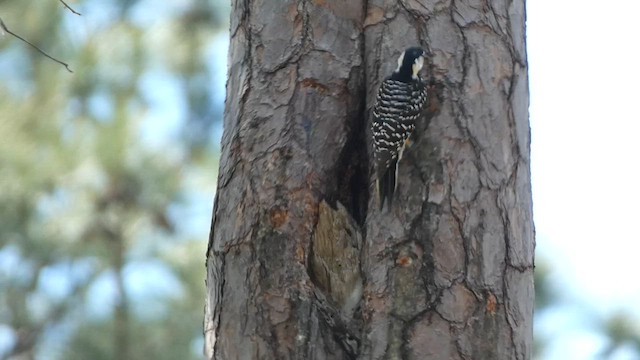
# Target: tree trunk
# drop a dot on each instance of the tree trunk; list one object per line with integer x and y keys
{"x": 301, "y": 263}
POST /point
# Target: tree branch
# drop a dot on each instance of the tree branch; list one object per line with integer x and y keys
{"x": 69, "y": 8}
{"x": 4, "y": 27}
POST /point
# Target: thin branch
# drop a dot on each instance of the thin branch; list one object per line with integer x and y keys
{"x": 69, "y": 8}
{"x": 4, "y": 27}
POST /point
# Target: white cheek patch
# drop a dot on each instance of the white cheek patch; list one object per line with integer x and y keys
{"x": 400, "y": 60}
{"x": 417, "y": 66}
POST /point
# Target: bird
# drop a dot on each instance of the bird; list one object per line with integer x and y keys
{"x": 399, "y": 103}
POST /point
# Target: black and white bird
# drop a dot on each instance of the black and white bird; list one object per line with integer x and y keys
{"x": 399, "y": 103}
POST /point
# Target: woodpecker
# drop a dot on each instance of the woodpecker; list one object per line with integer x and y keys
{"x": 399, "y": 103}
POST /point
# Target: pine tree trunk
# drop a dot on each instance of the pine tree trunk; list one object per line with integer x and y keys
{"x": 301, "y": 263}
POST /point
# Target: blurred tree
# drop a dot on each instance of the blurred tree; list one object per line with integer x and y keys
{"x": 545, "y": 297}
{"x": 622, "y": 331}
{"x": 100, "y": 171}
{"x": 618, "y": 330}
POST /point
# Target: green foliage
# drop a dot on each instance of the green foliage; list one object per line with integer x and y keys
{"x": 619, "y": 330}
{"x": 91, "y": 175}
{"x": 545, "y": 294}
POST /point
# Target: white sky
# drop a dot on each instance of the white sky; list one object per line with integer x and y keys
{"x": 584, "y": 79}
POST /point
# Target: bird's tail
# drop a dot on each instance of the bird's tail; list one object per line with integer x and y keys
{"x": 387, "y": 185}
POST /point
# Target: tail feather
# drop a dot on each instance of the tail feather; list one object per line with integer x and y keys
{"x": 387, "y": 185}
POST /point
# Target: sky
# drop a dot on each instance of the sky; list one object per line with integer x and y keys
{"x": 584, "y": 78}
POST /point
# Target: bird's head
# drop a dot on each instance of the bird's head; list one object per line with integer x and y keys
{"x": 410, "y": 62}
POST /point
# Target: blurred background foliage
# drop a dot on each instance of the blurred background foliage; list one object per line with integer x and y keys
{"x": 107, "y": 177}
{"x": 561, "y": 313}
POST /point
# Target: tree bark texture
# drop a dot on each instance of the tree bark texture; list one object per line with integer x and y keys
{"x": 301, "y": 263}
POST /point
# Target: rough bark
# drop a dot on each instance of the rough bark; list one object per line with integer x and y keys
{"x": 448, "y": 272}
